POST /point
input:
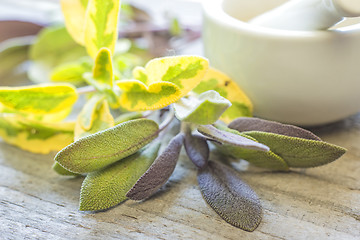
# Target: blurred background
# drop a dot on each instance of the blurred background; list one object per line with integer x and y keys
{"x": 26, "y": 17}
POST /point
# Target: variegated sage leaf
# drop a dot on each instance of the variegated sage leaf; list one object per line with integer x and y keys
{"x": 94, "y": 152}
{"x": 197, "y": 149}
{"x": 35, "y": 136}
{"x": 227, "y": 88}
{"x": 106, "y": 188}
{"x": 230, "y": 138}
{"x": 244, "y": 124}
{"x": 229, "y": 196}
{"x": 159, "y": 172}
{"x": 299, "y": 152}
{"x": 204, "y": 109}
{"x": 101, "y": 25}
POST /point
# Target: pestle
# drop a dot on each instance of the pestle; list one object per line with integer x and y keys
{"x": 308, "y": 15}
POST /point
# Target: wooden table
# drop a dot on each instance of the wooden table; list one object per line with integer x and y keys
{"x": 318, "y": 203}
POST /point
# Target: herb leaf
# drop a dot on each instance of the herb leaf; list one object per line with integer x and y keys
{"x": 35, "y": 136}
{"x": 39, "y": 99}
{"x": 299, "y": 152}
{"x": 101, "y": 21}
{"x": 74, "y": 14}
{"x": 227, "y": 88}
{"x": 162, "y": 82}
{"x": 159, "y": 172}
{"x": 205, "y": 109}
{"x": 106, "y": 188}
{"x": 94, "y": 117}
{"x": 230, "y": 138}
{"x": 62, "y": 171}
{"x": 256, "y": 124}
{"x": 71, "y": 72}
{"x": 197, "y": 149}
{"x": 229, "y": 196}
{"x": 99, "y": 150}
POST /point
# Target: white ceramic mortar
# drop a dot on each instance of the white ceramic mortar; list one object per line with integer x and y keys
{"x": 300, "y": 77}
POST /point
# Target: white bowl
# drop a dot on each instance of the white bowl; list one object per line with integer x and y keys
{"x": 299, "y": 77}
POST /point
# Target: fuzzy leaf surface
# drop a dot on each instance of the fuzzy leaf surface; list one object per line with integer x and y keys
{"x": 159, "y": 172}
{"x": 62, "y": 171}
{"x": 299, "y": 152}
{"x": 204, "y": 109}
{"x": 96, "y": 151}
{"x": 108, "y": 187}
{"x": 227, "y": 88}
{"x": 229, "y": 196}
{"x": 197, "y": 149}
{"x": 230, "y": 138}
{"x": 244, "y": 124}
{"x": 35, "y": 136}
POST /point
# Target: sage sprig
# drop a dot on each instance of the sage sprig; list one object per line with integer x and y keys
{"x": 114, "y": 143}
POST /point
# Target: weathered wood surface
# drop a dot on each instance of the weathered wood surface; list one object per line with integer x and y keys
{"x": 318, "y": 203}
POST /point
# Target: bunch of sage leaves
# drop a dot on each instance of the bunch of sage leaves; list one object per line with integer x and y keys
{"x": 127, "y": 107}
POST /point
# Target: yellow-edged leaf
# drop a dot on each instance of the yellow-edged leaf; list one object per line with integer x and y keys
{"x": 102, "y": 76}
{"x": 137, "y": 96}
{"x": 227, "y": 88}
{"x": 74, "y": 14}
{"x": 186, "y": 72}
{"x": 35, "y": 136}
{"x": 162, "y": 82}
{"x": 99, "y": 118}
{"x": 101, "y": 20}
{"x": 39, "y": 99}
{"x": 52, "y": 117}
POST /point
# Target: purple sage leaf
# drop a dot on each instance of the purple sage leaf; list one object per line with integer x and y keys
{"x": 229, "y": 196}
{"x": 244, "y": 124}
{"x": 159, "y": 172}
{"x": 231, "y": 138}
{"x": 197, "y": 149}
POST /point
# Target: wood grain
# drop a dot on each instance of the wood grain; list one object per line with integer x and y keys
{"x": 318, "y": 203}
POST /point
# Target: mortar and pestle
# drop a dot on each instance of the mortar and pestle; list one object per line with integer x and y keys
{"x": 295, "y": 66}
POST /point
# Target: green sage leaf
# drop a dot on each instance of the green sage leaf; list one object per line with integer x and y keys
{"x": 205, "y": 109}
{"x": 256, "y": 124}
{"x": 62, "y": 171}
{"x": 94, "y": 152}
{"x": 159, "y": 172}
{"x": 299, "y": 152}
{"x": 229, "y": 196}
{"x": 108, "y": 187}
{"x": 230, "y": 138}
{"x": 197, "y": 149}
